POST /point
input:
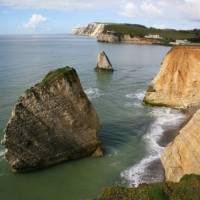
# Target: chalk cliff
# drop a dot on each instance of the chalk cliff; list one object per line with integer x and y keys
{"x": 92, "y": 29}
{"x": 52, "y": 122}
{"x": 182, "y": 156}
{"x": 178, "y": 82}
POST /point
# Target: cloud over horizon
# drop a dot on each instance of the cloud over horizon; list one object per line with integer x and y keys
{"x": 34, "y": 21}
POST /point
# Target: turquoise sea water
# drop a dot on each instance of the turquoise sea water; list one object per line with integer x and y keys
{"x": 130, "y": 130}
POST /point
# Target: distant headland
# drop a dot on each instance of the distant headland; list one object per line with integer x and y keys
{"x": 138, "y": 34}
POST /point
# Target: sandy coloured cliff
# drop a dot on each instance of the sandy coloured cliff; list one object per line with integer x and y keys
{"x": 178, "y": 85}
{"x": 178, "y": 82}
{"x": 182, "y": 156}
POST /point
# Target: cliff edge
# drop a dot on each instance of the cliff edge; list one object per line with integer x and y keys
{"x": 182, "y": 156}
{"x": 178, "y": 82}
{"x": 52, "y": 122}
{"x": 177, "y": 85}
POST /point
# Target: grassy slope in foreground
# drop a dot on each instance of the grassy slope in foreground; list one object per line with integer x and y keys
{"x": 141, "y": 31}
{"x": 187, "y": 189}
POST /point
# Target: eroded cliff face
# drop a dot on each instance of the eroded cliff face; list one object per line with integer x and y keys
{"x": 182, "y": 156}
{"x": 114, "y": 38}
{"x": 92, "y": 30}
{"x": 178, "y": 82}
{"x": 52, "y": 122}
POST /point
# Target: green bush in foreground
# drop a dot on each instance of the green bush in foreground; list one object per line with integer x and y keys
{"x": 187, "y": 189}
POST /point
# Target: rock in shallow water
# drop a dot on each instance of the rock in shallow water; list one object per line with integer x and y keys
{"x": 103, "y": 63}
{"x": 52, "y": 122}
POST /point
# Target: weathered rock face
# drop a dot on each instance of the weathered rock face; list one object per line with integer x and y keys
{"x": 114, "y": 38}
{"x": 103, "y": 62}
{"x": 52, "y": 122}
{"x": 178, "y": 82}
{"x": 182, "y": 156}
{"x": 108, "y": 38}
{"x": 92, "y": 29}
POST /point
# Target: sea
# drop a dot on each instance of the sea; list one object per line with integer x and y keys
{"x": 133, "y": 135}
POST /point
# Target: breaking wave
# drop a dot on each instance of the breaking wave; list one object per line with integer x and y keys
{"x": 139, "y": 173}
{"x": 139, "y": 95}
{"x": 2, "y": 152}
{"x": 93, "y": 93}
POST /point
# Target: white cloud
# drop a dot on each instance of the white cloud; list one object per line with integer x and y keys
{"x": 150, "y": 9}
{"x": 159, "y": 9}
{"x": 129, "y": 9}
{"x": 35, "y": 21}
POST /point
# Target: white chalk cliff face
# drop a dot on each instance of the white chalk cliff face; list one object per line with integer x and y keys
{"x": 178, "y": 85}
{"x": 92, "y": 30}
{"x": 178, "y": 82}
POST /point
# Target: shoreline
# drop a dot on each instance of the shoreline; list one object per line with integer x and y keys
{"x": 167, "y": 137}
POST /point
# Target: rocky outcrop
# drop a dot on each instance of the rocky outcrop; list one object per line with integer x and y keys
{"x": 182, "y": 156}
{"x": 116, "y": 38}
{"x": 92, "y": 29}
{"x": 103, "y": 63}
{"x": 178, "y": 82}
{"x": 108, "y": 38}
{"x": 52, "y": 122}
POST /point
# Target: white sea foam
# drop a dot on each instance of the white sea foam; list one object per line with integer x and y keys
{"x": 93, "y": 93}
{"x": 163, "y": 117}
{"x": 2, "y": 152}
{"x": 137, "y": 95}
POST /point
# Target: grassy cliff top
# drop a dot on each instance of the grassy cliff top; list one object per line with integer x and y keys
{"x": 187, "y": 189}
{"x": 140, "y": 30}
{"x": 57, "y": 74}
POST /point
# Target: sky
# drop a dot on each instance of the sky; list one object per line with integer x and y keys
{"x": 60, "y": 16}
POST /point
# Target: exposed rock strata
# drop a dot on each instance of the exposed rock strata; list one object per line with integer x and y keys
{"x": 182, "y": 156}
{"x": 97, "y": 30}
{"x": 114, "y": 38}
{"x": 92, "y": 29}
{"x": 103, "y": 63}
{"x": 52, "y": 122}
{"x": 178, "y": 82}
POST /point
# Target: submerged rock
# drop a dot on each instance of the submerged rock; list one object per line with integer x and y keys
{"x": 103, "y": 63}
{"x": 182, "y": 156}
{"x": 178, "y": 82}
{"x": 52, "y": 122}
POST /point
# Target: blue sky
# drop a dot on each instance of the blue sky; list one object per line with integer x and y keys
{"x": 60, "y": 16}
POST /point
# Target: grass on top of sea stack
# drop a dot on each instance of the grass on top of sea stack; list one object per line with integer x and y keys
{"x": 55, "y": 74}
{"x": 187, "y": 189}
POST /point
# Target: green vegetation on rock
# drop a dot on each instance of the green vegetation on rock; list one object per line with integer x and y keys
{"x": 187, "y": 189}
{"x": 168, "y": 35}
{"x": 56, "y": 74}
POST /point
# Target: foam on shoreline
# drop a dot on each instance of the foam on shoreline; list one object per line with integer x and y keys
{"x": 163, "y": 119}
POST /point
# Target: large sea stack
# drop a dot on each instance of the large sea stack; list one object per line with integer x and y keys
{"x": 52, "y": 122}
{"x": 178, "y": 82}
{"x": 103, "y": 63}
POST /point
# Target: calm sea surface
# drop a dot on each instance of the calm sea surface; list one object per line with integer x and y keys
{"x": 130, "y": 130}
